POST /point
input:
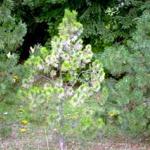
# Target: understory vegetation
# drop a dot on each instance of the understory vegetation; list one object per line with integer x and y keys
{"x": 79, "y": 67}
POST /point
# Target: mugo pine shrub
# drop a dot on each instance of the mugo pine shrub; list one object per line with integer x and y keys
{"x": 128, "y": 103}
{"x": 65, "y": 83}
{"x": 10, "y": 78}
{"x": 11, "y": 28}
{"x": 12, "y": 32}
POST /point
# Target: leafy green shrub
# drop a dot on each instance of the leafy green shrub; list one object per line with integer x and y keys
{"x": 128, "y": 66}
{"x": 64, "y": 83}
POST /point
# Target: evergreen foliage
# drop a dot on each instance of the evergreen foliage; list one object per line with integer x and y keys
{"x": 12, "y": 31}
{"x": 65, "y": 82}
{"x": 118, "y": 32}
{"x": 10, "y": 78}
{"x": 129, "y": 93}
{"x": 39, "y": 3}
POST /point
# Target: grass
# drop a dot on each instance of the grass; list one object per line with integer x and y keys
{"x": 42, "y": 139}
{"x": 8, "y": 112}
{"x": 39, "y": 137}
{"x": 7, "y": 116}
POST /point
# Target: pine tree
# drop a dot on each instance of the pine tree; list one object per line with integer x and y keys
{"x": 128, "y": 101}
{"x": 12, "y": 31}
{"x": 65, "y": 82}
